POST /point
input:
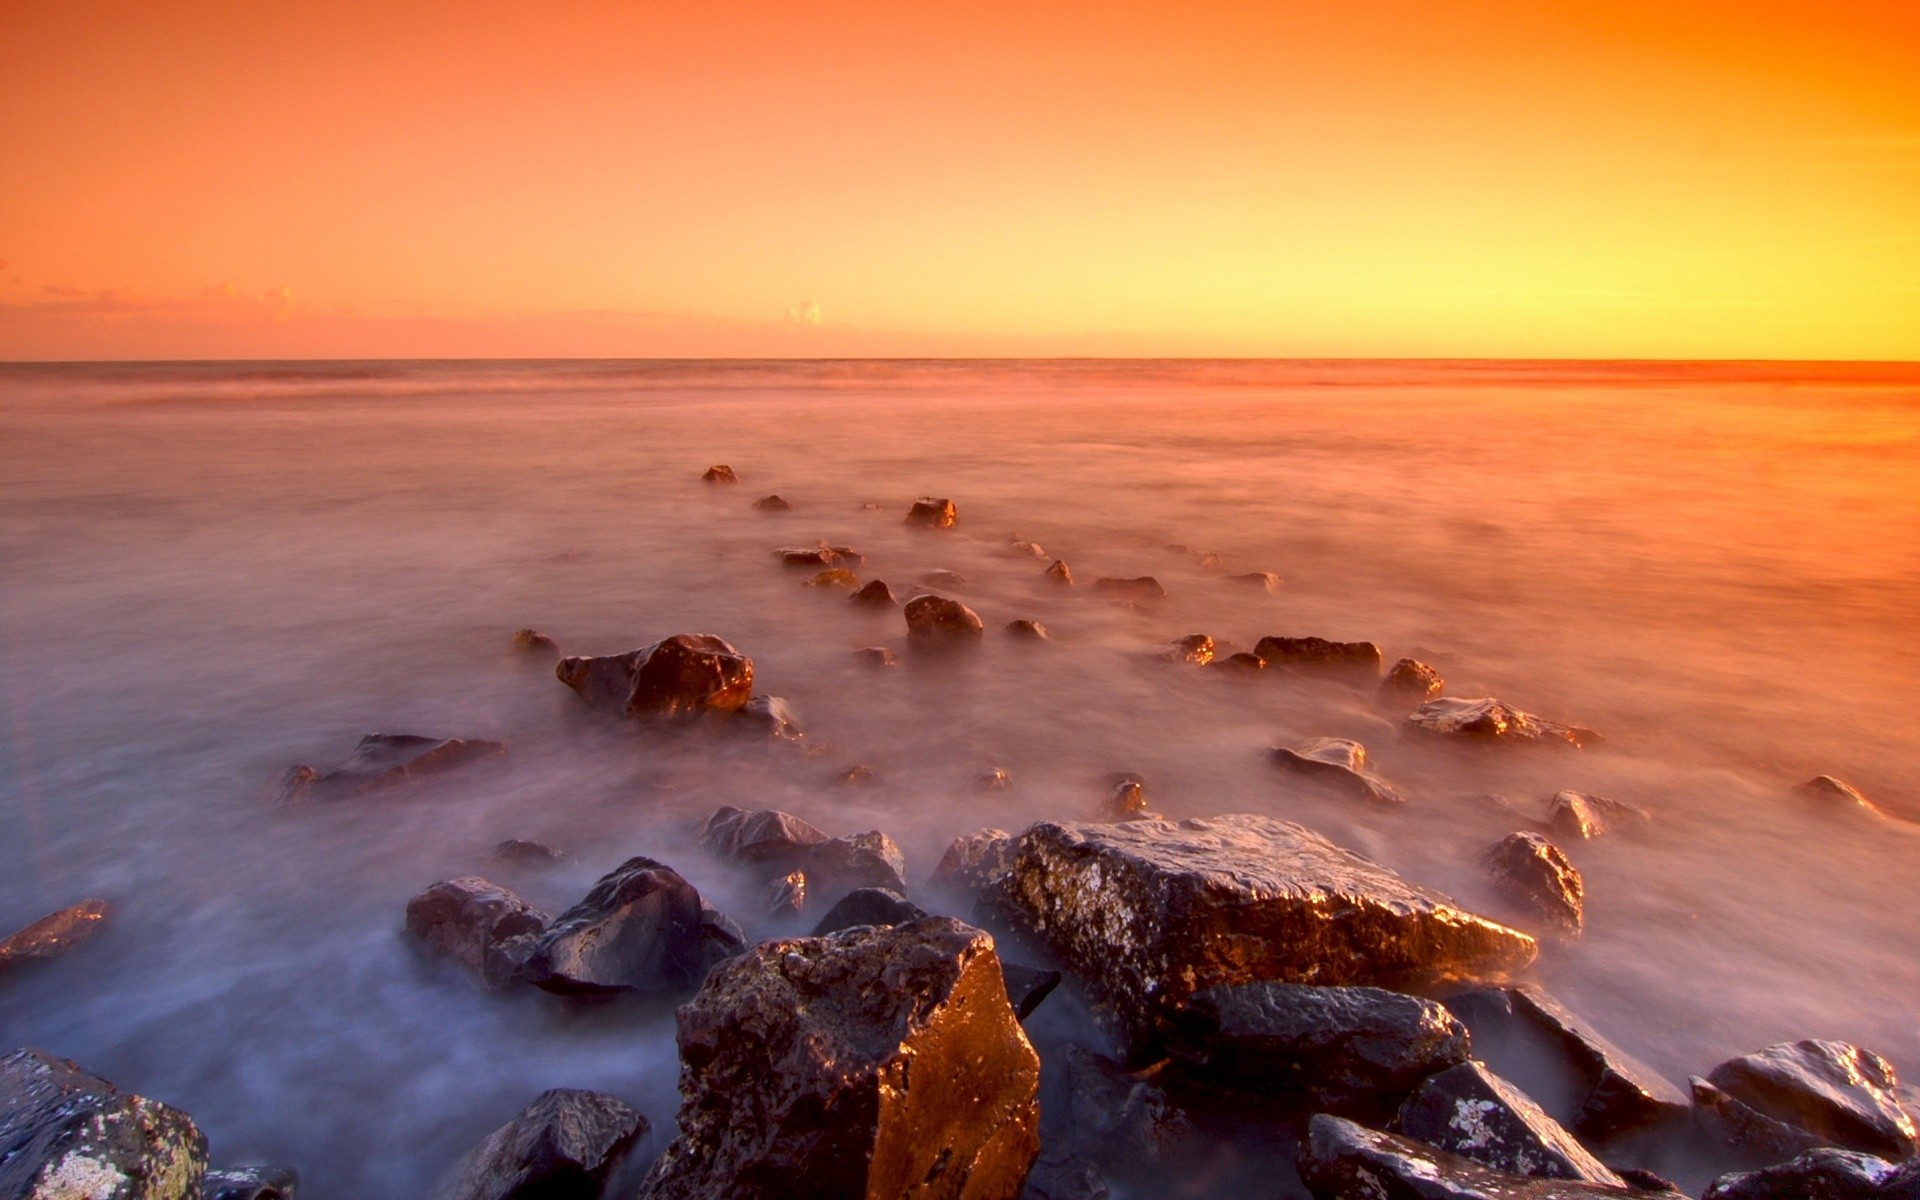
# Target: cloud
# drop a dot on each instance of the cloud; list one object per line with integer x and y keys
{"x": 807, "y": 312}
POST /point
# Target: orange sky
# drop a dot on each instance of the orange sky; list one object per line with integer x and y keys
{"x": 1607, "y": 178}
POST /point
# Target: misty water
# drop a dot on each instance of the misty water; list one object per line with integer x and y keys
{"x": 210, "y": 572}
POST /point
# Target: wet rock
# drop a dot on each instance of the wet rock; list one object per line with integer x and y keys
{"x": 778, "y": 842}
{"x": 1340, "y": 1160}
{"x": 720, "y": 474}
{"x": 1146, "y": 913}
{"x": 772, "y": 717}
{"x": 1027, "y": 986}
{"x": 1126, "y": 797}
{"x": 995, "y": 780}
{"x": 642, "y": 928}
{"x": 837, "y": 577}
{"x": 877, "y": 656}
{"x": 1844, "y": 796}
{"x": 930, "y": 513}
{"x": 871, "y": 1063}
{"x": 1143, "y": 589}
{"x": 381, "y": 761}
{"x": 1240, "y": 663}
{"x": 1340, "y": 763}
{"x": 68, "y": 1135}
{"x": 771, "y": 504}
{"x": 251, "y": 1183}
{"x": 1118, "y": 1116}
{"x": 524, "y": 852}
{"x": 1356, "y": 1050}
{"x": 1411, "y": 682}
{"x": 1028, "y": 550}
{"x": 974, "y": 862}
{"x": 1319, "y": 654}
{"x": 1538, "y": 874}
{"x": 943, "y": 579}
{"x": 804, "y": 557}
{"x": 869, "y": 859}
{"x": 857, "y": 775}
{"x": 1266, "y": 581}
{"x": 1058, "y": 572}
{"x": 1824, "y": 1174}
{"x": 787, "y": 895}
{"x": 561, "y": 1147}
{"x": 1060, "y": 1176}
{"x": 532, "y": 641}
{"x": 1472, "y": 1112}
{"x": 933, "y": 619}
{"x": 1752, "y": 1137}
{"x": 1486, "y": 720}
{"x": 54, "y": 934}
{"x": 1195, "y": 648}
{"x": 482, "y": 926}
{"x": 1030, "y": 631}
{"x": 684, "y": 675}
{"x": 875, "y": 595}
{"x": 1843, "y": 1095}
{"x": 1579, "y": 815}
{"x": 868, "y": 906}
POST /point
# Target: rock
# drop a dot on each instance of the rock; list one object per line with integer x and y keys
{"x": 1127, "y": 796}
{"x": 1118, "y": 1116}
{"x": 642, "y": 928}
{"x": 1027, "y": 986}
{"x": 1579, "y": 815}
{"x": 482, "y": 926}
{"x": 817, "y": 555}
{"x": 943, "y": 579}
{"x": 868, "y": 906}
{"x": 1839, "y": 1093}
{"x": 67, "y": 1135}
{"x": 995, "y": 780}
{"x": 771, "y": 504}
{"x": 1144, "y": 588}
{"x": 1340, "y": 763}
{"x": 857, "y": 775}
{"x": 251, "y": 1183}
{"x": 1213, "y": 562}
{"x": 837, "y": 577}
{"x": 875, "y": 595}
{"x": 1195, "y": 648}
{"x": 1146, "y": 913}
{"x": 1356, "y": 1050}
{"x": 381, "y": 761}
{"x": 1058, "y": 572}
{"x": 1823, "y": 1174}
{"x": 1319, "y": 654}
{"x": 1472, "y": 1112}
{"x": 1266, "y": 581}
{"x": 877, "y": 656}
{"x": 684, "y": 675}
{"x": 1845, "y": 796}
{"x": 1028, "y": 550}
{"x": 1752, "y": 1137}
{"x": 1492, "y": 721}
{"x": 871, "y": 1063}
{"x": 1239, "y": 663}
{"x": 787, "y": 895}
{"x": 778, "y": 842}
{"x": 1538, "y": 874}
{"x": 1061, "y": 1176}
{"x": 532, "y": 641}
{"x": 772, "y": 717}
{"x": 1340, "y": 1160}
{"x": 1031, "y": 631}
{"x": 973, "y": 863}
{"x": 523, "y": 852}
{"x": 561, "y": 1147}
{"x": 1411, "y": 681}
{"x": 937, "y": 619}
{"x": 54, "y": 934}
{"x": 720, "y": 474}
{"x": 869, "y": 859}
{"x": 929, "y": 513}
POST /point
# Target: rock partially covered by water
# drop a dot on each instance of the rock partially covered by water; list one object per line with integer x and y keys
{"x": 868, "y": 906}
{"x": 817, "y": 555}
{"x": 1474, "y": 1113}
{"x": 1340, "y": 763}
{"x": 1195, "y": 648}
{"x": 1126, "y": 797}
{"x": 1356, "y": 1050}
{"x": 642, "y": 928}
{"x": 1028, "y": 631}
{"x": 1058, "y": 572}
{"x": 871, "y": 1063}
{"x": 1266, "y": 581}
{"x": 479, "y": 924}
{"x": 561, "y": 1147}
{"x": 877, "y": 656}
{"x": 54, "y": 934}
{"x": 1487, "y": 720}
{"x": 1340, "y": 1160}
{"x": 771, "y": 716}
{"x": 1836, "y": 1092}
{"x": 938, "y": 619}
{"x": 525, "y": 852}
{"x": 1537, "y": 874}
{"x": 777, "y": 843}
{"x": 381, "y": 761}
{"x": 1319, "y": 654}
{"x": 684, "y": 675}
{"x": 974, "y": 862}
{"x": 1146, "y": 913}
{"x": 771, "y": 504}
{"x": 1824, "y": 1174}
{"x": 931, "y": 513}
{"x": 720, "y": 474}
{"x": 1579, "y": 815}
{"x": 1411, "y": 682}
{"x": 1118, "y": 1116}
{"x": 68, "y": 1135}
{"x": 1144, "y": 588}
{"x": 251, "y": 1183}
{"x": 532, "y": 641}
{"x": 876, "y": 594}
{"x": 1028, "y": 986}
{"x": 1057, "y": 1175}
{"x": 838, "y": 577}
{"x": 1840, "y": 794}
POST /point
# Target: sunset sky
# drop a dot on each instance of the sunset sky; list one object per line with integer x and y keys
{"x": 1594, "y": 178}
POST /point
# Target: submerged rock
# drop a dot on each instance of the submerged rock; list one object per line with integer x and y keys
{"x": 1411, "y": 681}
{"x": 1839, "y": 794}
{"x": 995, "y": 780}
{"x": 381, "y": 761}
{"x": 1146, "y": 913}
{"x": 871, "y": 1063}
{"x": 818, "y": 555}
{"x": 1486, "y": 720}
{"x": 939, "y": 619}
{"x": 524, "y": 852}
{"x": 1117, "y": 1116}
{"x": 837, "y": 577}
{"x": 771, "y": 504}
{"x": 875, "y": 595}
{"x": 1824, "y": 1174}
{"x": 720, "y": 474}
{"x": 1025, "y": 549}
{"x": 479, "y": 924}
{"x": 1319, "y": 654}
{"x": 561, "y": 1147}
{"x": 68, "y": 1135}
{"x": 1239, "y": 663}
{"x": 974, "y": 862}
{"x": 1341, "y": 763}
{"x": 1266, "y": 581}
{"x": 685, "y": 675}
{"x": 1840, "y": 1094}
{"x": 1472, "y": 1112}
{"x": 251, "y": 1183}
{"x": 54, "y": 934}
{"x": 877, "y": 656}
{"x": 1060, "y": 1176}
{"x": 1027, "y": 986}
{"x": 1579, "y": 815}
{"x": 772, "y": 717}
{"x": 930, "y": 513}
{"x": 642, "y": 928}
{"x": 1127, "y": 798}
{"x": 532, "y": 641}
{"x": 858, "y": 775}
{"x": 1137, "y": 590}
{"x": 1028, "y": 631}
{"x": 1538, "y": 874}
{"x": 1195, "y": 648}
{"x": 868, "y": 906}
{"x": 1058, "y": 572}
{"x": 1340, "y": 1160}
{"x": 943, "y": 579}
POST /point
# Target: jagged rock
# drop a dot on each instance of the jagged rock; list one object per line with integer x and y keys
{"x": 875, "y": 595}
{"x": 1031, "y": 631}
{"x": 720, "y": 474}
{"x": 1146, "y": 913}
{"x": 1239, "y": 663}
{"x": 1411, "y": 681}
{"x": 1127, "y": 797}
{"x": 684, "y": 675}
{"x": 561, "y": 1147}
{"x": 251, "y": 1183}
{"x": 868, "y": 906}
{"x": 1356, "y": 1050}
{"x": 939, "y": 619}
{"x": 1058, "y": 572}
{"x": 532, "y": 641}
{"x": 1621, "y": 1094}
{"x": 1843, "y": 1095}
{"x": 787, "y": 895}
{"x": 974, "y": 862}
{"x": 1486, "y": 720}
{"x": 1340, "y": 1160}
{"x": 778, "y": 842}
{"x": 1060, "y": 1176}
{"x": 1195, "y": 648}
{"x": 1115, "y": 1115}
{"x": 1319, "y": 654}
{"x": 1266, "y": 581}
{"x": 1472, "y": 1112}
{"x": 524, "y": 852}
{"x": 380, "y": 761}
{"x": 837, "y": 577}
{"x": 771, "y": 504}
{"x": 642, "y": 928}
{"x": 482, "y": 926}
{"x": 995, "y": 780}
{"x": 871, "y": 1063}
{"x": 1840, "y": 795}
{"x": 1027, "y": 986}
{"x": 1579, "y": 815}
{"x": 772, "y": 717}
{"x": 1143, "y": 588}
{"x": 68, "y": 1135}
{"x": 1341, "y": 763}
{"x": 1538, "y": 874}
{"x": 54, "y": 934}
{"x": 1823, "y": 1174}
{"x": 877, "y": 656}
{"x": 930, "y": 513}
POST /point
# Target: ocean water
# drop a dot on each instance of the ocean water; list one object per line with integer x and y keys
{"x": 211, "y": 571}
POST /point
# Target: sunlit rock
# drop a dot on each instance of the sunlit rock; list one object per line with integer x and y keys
{"x": 1340, "y": 1160}
{"x": 1411, "y": 682}
{"x": 1266, "y": 581}
{"x": 771, "y": 717}
{"x": 1340, "y": 763}
{"x": 939, "y": 620}
{"x": 974, "y": 862}
{"x": 1058, "y": 572}
{"x": 995, "y": 780}
{"x": 876, "y": 594}
{"x": 1840, "y": 795}
{"x": 1195, "y": 648}
{"x": 54, "y": 934}
{"x": 1838, "y": 1093}
{"x": 68, "y": 1135}
{"x": 720, "y": 474}
{"x": 1319, "y": 654}
{"x": 787, "y": 895}
{"x": 1823, "y": 1174}
{"x": 642, "y": 928}
{"x": 930, "y": 513}
{"x": 1126, "y": 796}
{"x": 1028, "y": 550}
{"x": 1472, "y": 1112}
{"x": 1486, "y": 720}
{"x": 1579, "y": 815}
{"x": 818, "y": 555}
{"x": 684, "y": 675}
{"x": 1537, "y": 874}
{"x": 561, "y": 1147}
{"x": 1143, "y": 589}
{"x": 836, "y": 577}
{"x": 383, "y": 760}
{"x": 482, "y": 926}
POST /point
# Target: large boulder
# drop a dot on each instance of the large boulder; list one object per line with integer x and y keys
{"x": 1319, "y": 654}
{"x": 1474, "y": 1113}
{"x": 874, "y": 1063}
{"x": 1340, "y": 1160}
{"x": 561, "y": 1147}
{"x": 479, "y": 924}
{"x": 1538, "y": 875}
{"x": 1837, "y": 1093}
{"x": 67, "y": 1135}
{"x": 383, "y": 760}
{"x": 1340, "y": 763}
{"x": 685, "y": 675}
{"x": 939, "y": 619}
{"x": 1495, "y": 721}
{"x": 642, "y": 928}
{"x": 1824, "y": 1174}
{"x": 1146, "y": 913}
{"x": 54, "y": 934}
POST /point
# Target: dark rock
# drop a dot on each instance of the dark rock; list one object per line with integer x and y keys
{"x": 1127, "y": 797}
{"x": 875, "y": 595}
{"x": 1579, "y": 815}
{"x": 684, "y": 675}
{"x": 251, "y": 1183}
{"x": 778, "y": 842}
{"x": 787, "y": 895}
{"x": 871, "y": 1063}
{"x": 938, "y": 619}
{"x": 532, "y": 641}
{"x": 1411, "y": 681}
{"x": 1144, "y": 588}
{"x": 1213, "y": 562}
{"x": 1340, "y": 1160}
{"x": 1027, "y": 550}
{"x": 1146, "y": 913}
{"x": 67, "y": 1135}
{"x": 1752, "y": 1137}
{"x": 1118, "y": 1116}
{"x": 383, "y": 760}
{"x": 974, "y": 863}
{"x": 523, "y": 852}
{"x": 930, "y": 513}
{"x": 1341, "y": 763}
{"x": 1032, "y": 631}
{"x": 54, "y": 934}
{"x": 877, "y": 656}
{"x": 1027, "y": 987}
{"x": 1538, "y": 874}
{"x": 837, "y": 577}
{"x": 1839, "y": 1093}
{"x": 1058, "y": 572}
{"x": 1239, "y": 663}
{"x": 1264, "y": 580}
{"x": 561, "y": 1147}
{"x": 771, "y": 504}
{"x": 817, "y": 555}
{"x": 1195, "y": 648}
{"x": 1356, "y": 1050}
{"x": 720, "y": 474}
{"x": 858, "y": 775}
{"x": 480, "y": 925}
{"x": 642, "y": 928}
{"x": 1472, "y": 1112}
{"x": 1492, "y": 721}
{"x": 868, "y": 906}
{"x": 1060, "y": 1176}
{"x": 1824, "y": 1174}
{"x": 772, "y": 717}
{"x": 1841, "y": 795}
{"x": 1319, "y": 654}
